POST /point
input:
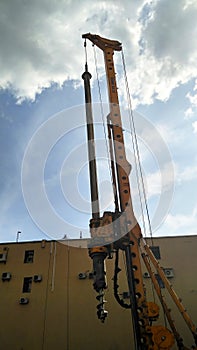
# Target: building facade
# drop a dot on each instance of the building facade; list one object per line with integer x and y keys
{"x": 47, "y": 300}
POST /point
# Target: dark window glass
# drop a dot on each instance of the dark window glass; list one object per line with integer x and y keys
{"x": 156, "y": 252}
{"x": 27, "y": 284}
{"x": 29, "y": 256}
{"x": 159, "y": 280}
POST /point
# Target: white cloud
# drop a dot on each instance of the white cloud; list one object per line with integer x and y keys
{"x": 194, "y": 124}
{"x": 187, "y": 174}
{"x": 192, "y": 98}
{"x": 189, "y": 113}
{"x": 160, "y": 180}
{"x": 179, "y": 223}
{"x": 170, "y": 49}
{"x": 193, "y": 102}
{"x": 41, "y": 43}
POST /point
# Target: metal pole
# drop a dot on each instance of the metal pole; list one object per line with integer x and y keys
{"x": 17, "y": 236}
{"x": 86, "y": 76}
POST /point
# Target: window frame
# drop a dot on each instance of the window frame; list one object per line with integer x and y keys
{"x": 155, "y": 249}
{"x": 29, "y": 256}
{"x": 27, "y": 284}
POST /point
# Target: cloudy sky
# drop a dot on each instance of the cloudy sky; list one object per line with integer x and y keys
{"x": 42, "y": 112}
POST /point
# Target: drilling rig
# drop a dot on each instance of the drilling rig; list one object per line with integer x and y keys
{"x": 120, "y": 230}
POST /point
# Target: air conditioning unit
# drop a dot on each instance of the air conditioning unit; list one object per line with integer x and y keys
{"x": 146, "y": 275}
{"x": 169, "y": 272}
{"x": 82, "y": 275}
{"x": 3, "y": 257}
{"x": 37, "y": 278}
{"x": 6, "y": 276}
{"x": 24, "y": 301}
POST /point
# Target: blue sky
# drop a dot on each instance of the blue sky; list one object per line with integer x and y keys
{"x": 41, "y": 62}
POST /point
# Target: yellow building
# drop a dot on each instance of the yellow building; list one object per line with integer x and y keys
{"x": 47, "y": 300}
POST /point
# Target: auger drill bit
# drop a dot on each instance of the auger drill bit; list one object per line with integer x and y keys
{"x": 100, "y": 283}
{"x": 101, "y": 313}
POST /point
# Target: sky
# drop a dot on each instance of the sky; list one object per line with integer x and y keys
{"x": 44, "y": 183}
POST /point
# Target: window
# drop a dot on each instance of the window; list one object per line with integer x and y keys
{"x": 160, "y": 281}
{"x": 156, "y": 252}
{"x": 29, "y": 256}
{"x": 27, "y": 284}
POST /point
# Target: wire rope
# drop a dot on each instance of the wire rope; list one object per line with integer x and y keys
{"x": 137, "y": 159}
{"x": 86, "y": 54}
{"x": 136, "y": 149}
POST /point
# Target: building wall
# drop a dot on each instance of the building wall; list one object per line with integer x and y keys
{"x": 61, "y": 312}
